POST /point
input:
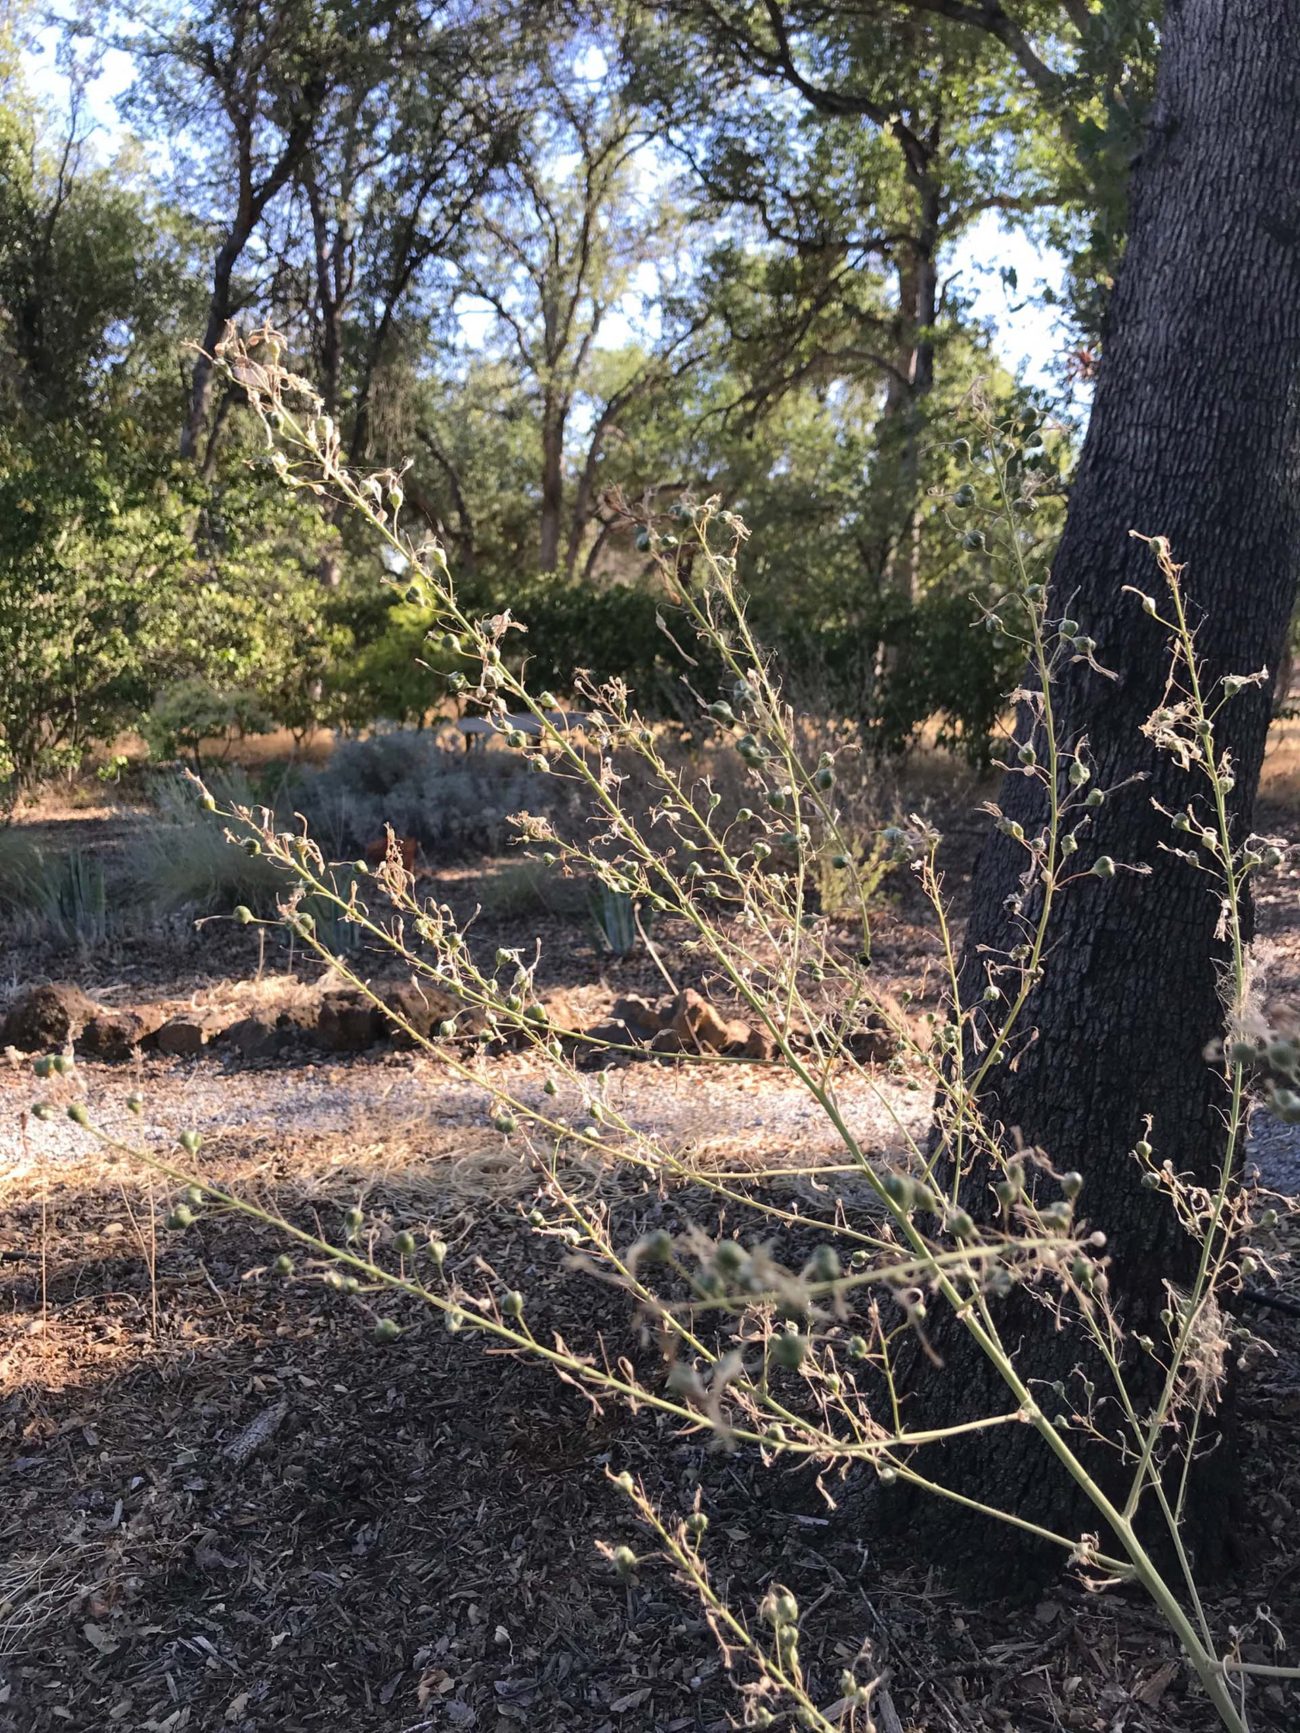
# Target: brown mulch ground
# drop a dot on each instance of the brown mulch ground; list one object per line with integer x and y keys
{"x": 412, "y": 1545}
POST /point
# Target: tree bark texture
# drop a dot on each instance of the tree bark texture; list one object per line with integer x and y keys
{"x": 1194, "y": 435}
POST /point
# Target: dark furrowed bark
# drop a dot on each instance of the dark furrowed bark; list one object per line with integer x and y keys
{"x": 1195, "y": 435}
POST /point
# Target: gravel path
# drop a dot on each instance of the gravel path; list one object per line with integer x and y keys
{"x": 744, "y": 1115}
{"x": 747, "y": 1114}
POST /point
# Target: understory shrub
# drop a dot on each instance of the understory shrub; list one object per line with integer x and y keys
{"x": 426, "y": 787}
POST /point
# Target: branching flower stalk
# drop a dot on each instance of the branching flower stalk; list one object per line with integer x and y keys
{"x": 797, "y": 1360}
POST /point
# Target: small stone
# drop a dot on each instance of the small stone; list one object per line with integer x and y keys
{"x": 113, "y": 1036}
{"x": 254, "y": 1038}
{"x": 413, "y": 1012}
{"x": 45, "y": 1017}
{"x": 347, "y": 1023}
{"x": 644, "y": 1019}
{"x": 697, "y": 1025}
{"x": 180, "y": 1037}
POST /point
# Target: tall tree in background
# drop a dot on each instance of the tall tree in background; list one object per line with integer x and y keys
{"x": 576, "y": 235}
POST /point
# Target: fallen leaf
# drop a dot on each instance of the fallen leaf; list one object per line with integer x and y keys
{"x": 98, "y": 1638}
{"x": 1155, "y": 1687}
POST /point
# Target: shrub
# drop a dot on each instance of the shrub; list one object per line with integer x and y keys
{"x": 182, "y": 858}
{"x": 192, "y": 710}
{"x": 22, "y": 867}
{"x": 452, "y": 802}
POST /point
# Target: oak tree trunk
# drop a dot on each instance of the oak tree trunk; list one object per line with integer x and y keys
{"x": 1194, "y": 435}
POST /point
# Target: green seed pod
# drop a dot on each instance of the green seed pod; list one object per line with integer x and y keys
{"x": 1242, "y": 1052}
{"x": 624, "y": 1482}
{"x": 974, "y": 541}
{"x": 887, "y": 1474}
{"x": 823, "y": 1265}
{"x": 696, "y": 1524}
{"x": 189, "y": 1142}
{"x": 1078, "y": 773}
{"x": 512, "y": 1304}
{"x": 1085, "y": 646}
{"x": 1071, "y": 1184}
{"x": 351, "y": 1285}
{"x": 1151, "y": 1181}
{"x": 283, "y": 1265}
{"x": 77, "y": 1114}
{"x": 506, "y": 1123}
{"x": 960, "y": 1225}
{"x": 899, "y": 1189}
{"x": 252, "y": 846}
{"x": 1026, "y": 755}
{"x": 438, "y": 1252}
{"x": 244, "y": 916}
{"x": 1269, "y": 1219}
{"x": 825, "y": 777}
{"x": 964, "y": 496}
{"x": 1103, "y": 867}
{"x": 42, "y": 1110}
{"x": 194, "y": 1196}
{"x": 788, "y": 1349}
{"x": 353, "y": 1221}
{"x": 1182, "y": 822}
{"x": 722, "y": 712}
{"x": 780, "y": 1609}
{"x": 181, "y": 1217}
{"x": 516, "y": 737}
{"x": 404, "y": 1244}
{"x": 386, "y": 1330}
{"x": 858, "y": 1347}
{"x": 625, "y": 1562}
{"x": 729, "y": 1259}
{"x": 550, "y": 1087}
{"x": 841, "y": 862}
{"x": 1068, "y": 628}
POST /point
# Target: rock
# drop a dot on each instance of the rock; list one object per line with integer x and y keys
{"x": 46, "y": 1017}
{"x": 760, "y": 1046}
{"x": 112, "y": 1036}
{"x": 642, "y": 1018}
{"x": 347, "y": 1023}
{"x": 420, "y": 1006}
{"x": 180, "y": 1037}
{"x": 256, "y": 1037}
{"x": 696, "y": 1024}
{"x": 877, "y": 1035}
{"x": 594, "y": 1050}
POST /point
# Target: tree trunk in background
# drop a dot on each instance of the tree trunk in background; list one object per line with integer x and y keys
{"x": 553, "y": 418}
{"x": 1195, "y": 435}
{"x": 902, "y": 422}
